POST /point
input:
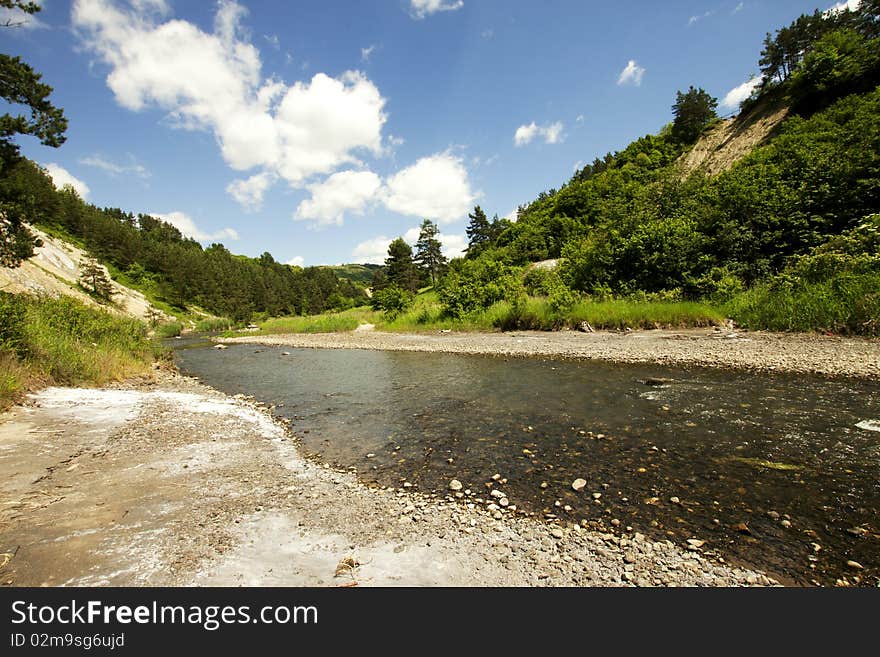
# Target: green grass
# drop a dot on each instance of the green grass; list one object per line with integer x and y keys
{"x": 214, "y": 324}
{"x": 44, "y": 340}
{"x": 847, "y": 303}
{"x": 535, "y": 313}
{"x": 169, "y": 329}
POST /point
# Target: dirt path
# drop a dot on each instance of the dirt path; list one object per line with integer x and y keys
{"x": 759, "y": 351}
{"x": 168, "y": 482}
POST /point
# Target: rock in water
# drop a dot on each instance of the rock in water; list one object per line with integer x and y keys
{"x": 578, "y": 484}
{"x": 220, "y": 346}
{"x": 455, "y": 484}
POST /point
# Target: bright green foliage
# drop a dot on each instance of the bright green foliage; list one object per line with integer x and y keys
{"x": 392, "y": 300}
{"x": 476, "y": 284}
{"x": 63, "y": 341}
{"x": 693, "y": 110}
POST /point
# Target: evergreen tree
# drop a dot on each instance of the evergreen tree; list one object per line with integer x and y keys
{"x": 693, "y": 110}
{"x": 20, "y": 85}
{"x": 429, "y": 256}
{"x": 399, "y": 266}
{"x": 479, "y": 232}
{"x": 93, "y": 277}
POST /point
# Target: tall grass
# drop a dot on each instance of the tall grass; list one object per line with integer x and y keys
{"x": 169, "y": 329}
{"x": 328, "y": 323}
{"x": 847, "y": 303}
{"x": 44, "y": 340}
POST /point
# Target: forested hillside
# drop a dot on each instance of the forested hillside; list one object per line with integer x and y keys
{"x": 153, "y": 256}
{"x": 636, "y": 224}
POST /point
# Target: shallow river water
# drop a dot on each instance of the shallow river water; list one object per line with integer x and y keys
{"x": 781, "y": 472}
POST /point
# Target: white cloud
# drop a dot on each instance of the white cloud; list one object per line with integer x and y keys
{"x": 366, "y": 52}
{"x": 632, "y": 74}
{"x": 738, "y": 8}
{"x": 738, "y": 94}
{"x": 435, "y": 187}
{"x": 373, "y": 251}
{"x": 213, "y": 81}
{"x": 273, "y": 40}
{"x": 694, "y": 19}
{"x": 249, "y": 192}
{"x": 550, "y": 133}
{"x": 61, "y": 177}
{"x": 188, "y": 228}
{"x": 421, "y": 8}
{"x": 453, "y": 246}
{"x": 412, "y": 235}
{"x": 115, "y": 169}
{"x": 580, "y": 118}
{"x": 346, "y": 191}
{"x": 513, "y": 215}
{"x": 852, "y": 5}
{"x": 296, "y": 261}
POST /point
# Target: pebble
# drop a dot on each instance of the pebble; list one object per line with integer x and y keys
{"x": 455, "y": 485}
{"x": 674, "y": 500}
{"x": 557, "y": 533}
{"x": 596, "y": 496}
{"x": 578, "y": 484}
{"x": 786, "y": 523}
{"x": 855, "y": 564}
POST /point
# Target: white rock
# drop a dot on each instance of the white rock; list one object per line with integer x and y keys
{"x": 455, "y": 484}
{"x": 577, "y": 484}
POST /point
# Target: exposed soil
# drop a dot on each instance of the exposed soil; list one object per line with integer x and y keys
{"x": 165, "y": 481}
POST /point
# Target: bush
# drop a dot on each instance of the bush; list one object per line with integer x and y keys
{"x": 392, "y": 300}
{"x": 476, "y": 284}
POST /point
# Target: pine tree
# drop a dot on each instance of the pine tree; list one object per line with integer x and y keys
{"x": 399, "y": 266}
{"x": 693, "y": 110}
{"x": 479, "y": 232}
{"x": 20, "y": 85}
{"x": 429, "y": 256}
{"x": 93, "y": 278}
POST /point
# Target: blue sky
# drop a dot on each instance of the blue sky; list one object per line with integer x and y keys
{"x": 320, "y": 130}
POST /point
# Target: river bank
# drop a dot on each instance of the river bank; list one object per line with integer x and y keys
{"x": 743, "y": 350}
{"x": 165, "y": 481}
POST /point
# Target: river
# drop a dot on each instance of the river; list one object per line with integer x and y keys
{"x": 779, "y": 472}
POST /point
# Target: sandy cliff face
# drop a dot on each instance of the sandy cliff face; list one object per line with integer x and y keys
{"x": 54, "y": 270}
{"x": 731, "y": 140}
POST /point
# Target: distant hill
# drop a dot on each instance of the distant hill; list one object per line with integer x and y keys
{"x": 360, "y": 274}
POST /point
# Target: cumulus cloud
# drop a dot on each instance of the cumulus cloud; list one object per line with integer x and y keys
{"x": 296, "y": 261}
{"x": 212, "y": 81}
{"x": 299, "y": 133}
{"x": 550, "y": 133}
{"x": 453, "y": 246}
{"x": 248, "y": 192}
{"x": 346, "y": 191}
{"x": 435, "y": 187}
{"x": 421, "y": 8}
{"x": 738, "y": 94}
{"x": 373, "y": 251}
{"x": 632, "y": 74}
{"x": 184, "y": 223}
{"x": 61, "y": 177}
{"x": 114, "y": 168}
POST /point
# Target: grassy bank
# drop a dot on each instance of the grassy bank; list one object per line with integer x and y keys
{"x": 60, "y": 341}
{"x": 534, "y": 313}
